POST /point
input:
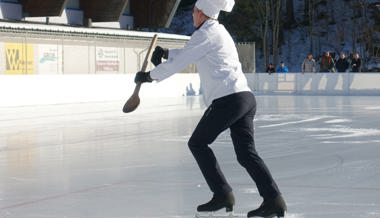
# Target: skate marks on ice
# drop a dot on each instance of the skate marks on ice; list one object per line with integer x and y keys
{"x": 288, "y": 119}
{"x": 238, "y": 215}
{"x": 219, "y": 215}
{"x": 327, "y": 128}
{"x": 234, "y": 215}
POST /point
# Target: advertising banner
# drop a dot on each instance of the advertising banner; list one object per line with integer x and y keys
{"x": 19, "y": 58}
{"x": 107, "y": 59}
{"x": 49, "y": 59}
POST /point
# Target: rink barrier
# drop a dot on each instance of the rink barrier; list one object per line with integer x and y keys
{"x": 316, "y": 83}
{"x": 22, "y": 90}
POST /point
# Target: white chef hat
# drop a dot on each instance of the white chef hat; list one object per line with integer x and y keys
{"x": 212, "y": 8}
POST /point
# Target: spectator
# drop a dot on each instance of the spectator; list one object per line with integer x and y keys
{"x": 342, "y": 64}
{"x": 309, "y": 65}
{"x": 356, "y": 63}
{"x": 270, "y": 68}
{"x": 327, "y": 63}
{"x": 282, "y": 68}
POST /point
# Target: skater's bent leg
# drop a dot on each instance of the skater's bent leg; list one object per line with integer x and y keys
{"x": 223, "y": 197}
{"x": 210, "y": 168}
{"x": 243, "y": 139}
{"x": 217, "y": 118}
{"x": 206, "y": 159}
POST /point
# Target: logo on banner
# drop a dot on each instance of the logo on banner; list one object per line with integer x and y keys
{"x": 19, "y": 58}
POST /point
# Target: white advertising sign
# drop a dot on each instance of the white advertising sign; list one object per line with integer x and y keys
{"x": 49, "y": 59}
{"x": 107, "y": 59}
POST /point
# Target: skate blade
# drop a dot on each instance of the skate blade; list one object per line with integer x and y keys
{"x": 218, "y": 215}
{"x": 275, "y": 215}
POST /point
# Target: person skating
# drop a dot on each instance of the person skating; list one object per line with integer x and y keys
{"x": 231, "y": 105}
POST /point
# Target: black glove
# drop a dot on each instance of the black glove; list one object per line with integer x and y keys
{"x": 142, "y": 77}
{"x": 158, "y": 54}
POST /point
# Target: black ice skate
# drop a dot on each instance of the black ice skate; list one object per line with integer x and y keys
{"x": 218, "y": 202}
{"x": 270, "y": 208}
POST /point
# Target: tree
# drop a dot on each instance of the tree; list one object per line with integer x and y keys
{"x": 186, "y": 3}
{"x": 276, "y": 22}
{"x": 309, "y": 14}
{"x": 290, "y": 20}
{"x": 241, "y": 20}
{"x": 262, "y": 27}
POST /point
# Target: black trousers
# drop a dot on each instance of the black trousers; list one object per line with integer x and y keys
{"x": 235, "y": 111}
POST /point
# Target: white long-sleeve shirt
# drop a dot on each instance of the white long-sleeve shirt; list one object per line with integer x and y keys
{"x": 213, "y": 51}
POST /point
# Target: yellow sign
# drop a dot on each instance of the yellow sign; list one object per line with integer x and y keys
{"x": 19, "y": 58}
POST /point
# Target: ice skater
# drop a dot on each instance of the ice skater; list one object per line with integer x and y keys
{"x": 231, "y": 104}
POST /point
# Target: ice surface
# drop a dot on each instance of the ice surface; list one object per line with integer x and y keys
{"x": 92, "y": 161}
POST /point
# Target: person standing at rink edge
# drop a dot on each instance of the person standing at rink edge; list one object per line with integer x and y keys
{"x": 309, "y": 64}
{"x": 231, "y": 104}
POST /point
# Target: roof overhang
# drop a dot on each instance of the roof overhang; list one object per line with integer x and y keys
{"x": 103, "y": 11}
{"x": 43, "y": 8}
{"x": 153, "y": 13}
{"x": 146, "y": 13}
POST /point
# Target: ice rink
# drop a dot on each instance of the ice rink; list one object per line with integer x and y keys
{"x": 92, "y": 161}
